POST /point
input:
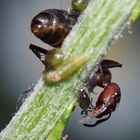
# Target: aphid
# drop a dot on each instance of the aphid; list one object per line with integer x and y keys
{"x": 52, "y": 26}
{"x": 103, "y": 75}
{"x": 79, "y": 5}
{"x": 106, "y": 103}
{"x": 66, "y": 69}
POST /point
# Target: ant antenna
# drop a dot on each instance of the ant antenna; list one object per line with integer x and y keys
{"x": 98, "y": 121}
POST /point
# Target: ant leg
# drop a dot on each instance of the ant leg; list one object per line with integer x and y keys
{"x": 105, "y": 64}
{"x": 38, "y": 51}
{"x": 98, "y": 122}
{"x": 101, "y": 69}
{"x": 28, "y": 91}
{"x": 91, "y": 105}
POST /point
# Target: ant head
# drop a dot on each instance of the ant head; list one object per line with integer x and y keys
{"x": 79, "y": 5}
{"x": 99, "y": 110}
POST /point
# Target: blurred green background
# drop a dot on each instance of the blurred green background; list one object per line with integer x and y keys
{"x": 20, "y": 69}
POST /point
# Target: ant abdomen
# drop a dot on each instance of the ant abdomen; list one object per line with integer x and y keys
{"x": 107, "y": 101}
{"x": 51, "y": 26}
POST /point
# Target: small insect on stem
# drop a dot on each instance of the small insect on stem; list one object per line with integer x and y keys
{"x": 129, "y": 26}
{"x": 80, "y": 5}
{"x": 66, "y": 69}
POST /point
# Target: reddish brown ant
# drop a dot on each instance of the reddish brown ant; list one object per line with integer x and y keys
{"x": 108, "y": 98}
{"x": 106, "y": 103}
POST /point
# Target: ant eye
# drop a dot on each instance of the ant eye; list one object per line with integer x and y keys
{"x": 79, "y": 5}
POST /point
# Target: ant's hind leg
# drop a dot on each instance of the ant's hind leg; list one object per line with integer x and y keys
{"x": 39, "y": 52}
{"x": 105, "y": 64}
{"x": 38, "y": 49}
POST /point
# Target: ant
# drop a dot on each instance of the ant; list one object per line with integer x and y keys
{"x": 103, "y": 75}
{"x": 106, "y": 103}
{"x": 52, "y": 26}
{"x": 108, "y": 98}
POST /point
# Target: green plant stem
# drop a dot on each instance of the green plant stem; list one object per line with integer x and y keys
{"x": 136, "y": 12}
{"x": 45, "y": 112}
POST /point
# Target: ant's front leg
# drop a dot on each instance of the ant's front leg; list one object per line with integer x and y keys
{"x": 39, "y": 52}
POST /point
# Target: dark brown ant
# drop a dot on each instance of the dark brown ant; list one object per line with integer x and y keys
{"x": 106, "y": 103}
{"x": 52, "y": 26}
